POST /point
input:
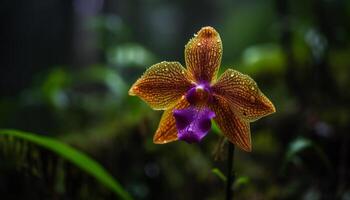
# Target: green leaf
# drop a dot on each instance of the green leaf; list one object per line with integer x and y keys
{"x": 299, "y": 145}
{"x": 130, "y": 55}
{"x": 81, "y": 160}
{"x": 241, "y": 181}
{"x": 219, "y": 173}
{"x": 54, "y": 87}
{"x": 215, "y": 128}
{"x": 263, "y": 59}
{"x": 105, "y": 75}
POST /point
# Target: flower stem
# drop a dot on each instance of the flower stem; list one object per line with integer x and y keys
{"x": 230, "y": 171}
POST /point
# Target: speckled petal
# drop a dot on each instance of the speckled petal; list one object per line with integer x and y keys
{"x": 162, "y": 85}
{"x": 193, "y": 123}
{"x": 167, "y": 131}
{"x": 203, "y": 54}
{"x": 243, "y": 94}
{"x": 236, "y": 129}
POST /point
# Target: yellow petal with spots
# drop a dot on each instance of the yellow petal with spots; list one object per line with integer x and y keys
{"x": 236, "y": 129}
{"x": 167, "y": 131}
{"x": 203, "y": 54}
{"x": 162, "y": 85}
{"x": 243, "y": 95}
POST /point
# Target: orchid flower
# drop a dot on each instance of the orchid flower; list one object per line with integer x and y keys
{"x": 193, "y": 96}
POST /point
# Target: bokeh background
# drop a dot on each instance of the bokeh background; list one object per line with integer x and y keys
{"x": 66, "y": 67}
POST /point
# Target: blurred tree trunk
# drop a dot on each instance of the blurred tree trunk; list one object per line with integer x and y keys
{"x": 85, "y": 51}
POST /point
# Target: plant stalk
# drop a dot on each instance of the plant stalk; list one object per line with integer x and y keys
{"x": 230, "y": 172}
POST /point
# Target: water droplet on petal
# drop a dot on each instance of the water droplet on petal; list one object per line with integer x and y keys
{"x": 198, "y": 44}
{"x": 252, "y": 99}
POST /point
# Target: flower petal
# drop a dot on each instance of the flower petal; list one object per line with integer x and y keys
{"x": 243, "y": 94}
{"x": 236, "y": 129}
{"x": 162, "y": 85}
{"x": 193, "y": 123}
{"x": 203, "y": 54}
{"x": 167, "y": 131}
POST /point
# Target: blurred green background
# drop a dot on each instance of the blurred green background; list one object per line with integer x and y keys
{"x": 66, "y": 67}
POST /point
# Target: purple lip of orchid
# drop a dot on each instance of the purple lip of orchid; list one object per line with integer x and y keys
{"x": 194, "y": 122}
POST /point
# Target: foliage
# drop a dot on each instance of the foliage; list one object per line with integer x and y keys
{"x": 17, "y": 143}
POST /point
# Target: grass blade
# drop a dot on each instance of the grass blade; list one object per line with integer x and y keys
{"x": 81, "y": 160}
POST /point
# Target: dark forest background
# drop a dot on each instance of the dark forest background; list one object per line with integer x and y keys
{"x": 66, "y": 67}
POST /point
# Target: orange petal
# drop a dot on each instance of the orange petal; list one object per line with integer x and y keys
{"x": 203, "y": 54}
{"x": 162, "y": 85}
{"x": 236, "y": 129}
{"x": 243, "y": 94}
{"x": 167, "y": 131}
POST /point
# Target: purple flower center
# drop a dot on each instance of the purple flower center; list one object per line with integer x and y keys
{"x": 194, "y": 123}
{"x": 200, "y": 93}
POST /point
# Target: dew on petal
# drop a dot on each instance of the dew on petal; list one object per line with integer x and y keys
{"x": 252, "y": 99}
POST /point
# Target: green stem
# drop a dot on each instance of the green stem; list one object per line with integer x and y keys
{"x": 230, "y": 172}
